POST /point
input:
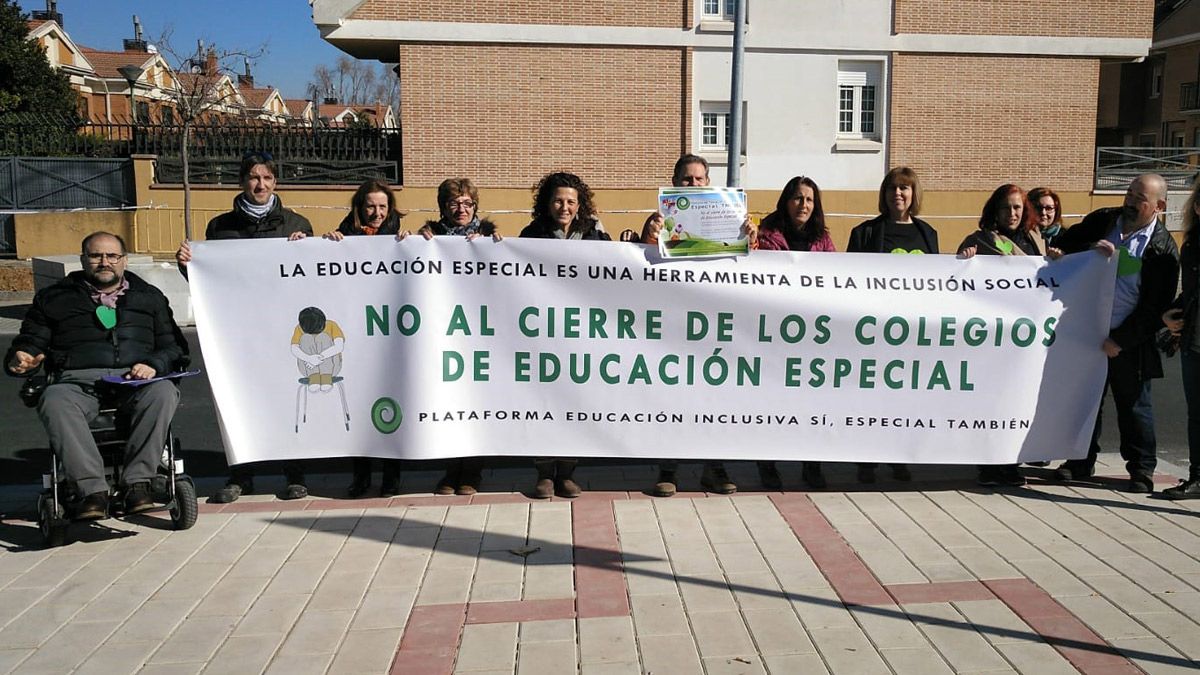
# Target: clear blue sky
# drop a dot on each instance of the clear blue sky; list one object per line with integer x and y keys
{"x": 284, "y": 28}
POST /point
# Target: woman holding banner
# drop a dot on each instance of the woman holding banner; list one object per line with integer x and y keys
{"x": 372, "y": 212}
{"x": 1048, "y": 209}
{"x": 1181, "y": 320}
{"x": 796, "y": 224}
{"x": 562, "y": 209}
{"x": 257, "y": 213}
{"x": 896, "y": 229}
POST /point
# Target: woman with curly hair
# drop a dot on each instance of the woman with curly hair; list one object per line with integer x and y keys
{"x": 562, "y": 209}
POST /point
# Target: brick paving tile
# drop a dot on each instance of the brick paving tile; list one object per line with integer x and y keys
{"x": 247, "y": 654}
{"x": 777, "y": 632}
{"x": 551, "y": 630}
{"x": 847, "y": 650}
{"x": 67, "y": 648}
{"x": 540, "y": 658}
{"x": 782, "y": 664}
{"x": 957, "y": 641}
{"x": 607, "y": 640}
{"x": 196, "y": 639}
{"x": 112, "y": 659}
{"x": 299, "y": 664}
{"x": 748, "y": 664}
{"x": 916, "y": 661}
{"x": 487, "y": 647}
{"x": 621, "y": 668}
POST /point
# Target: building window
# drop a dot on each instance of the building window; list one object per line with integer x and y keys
{"x": 1156, "y": 79}
{"x": 1196, "y": 138}
{"x": 858, "y": 97}
{"x": 143, "y": 112}
{"x": 719, "y": 10}
{"x": 716, "y": 127}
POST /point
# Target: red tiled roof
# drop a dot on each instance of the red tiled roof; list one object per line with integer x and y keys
{"x": 107, "y": 64}
{"x": 296, "y": 106}
{"x": 256, "y": 97}
{"x": 34, "y": 23}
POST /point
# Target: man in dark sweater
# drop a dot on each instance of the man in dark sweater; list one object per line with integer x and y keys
{"x": 102, "y": 321}
{"x": 1147, "y": 274}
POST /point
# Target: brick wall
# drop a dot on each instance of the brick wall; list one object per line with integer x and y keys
{"x": 1083, "y": 18}
{"x": 976, "y": 122}
{"x": 506, "y": 115}
{"x": 653, "y": 13}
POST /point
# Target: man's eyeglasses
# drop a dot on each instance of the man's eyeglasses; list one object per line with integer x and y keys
{"x": 466, "y": 205}
{"x": 106, "y": 257}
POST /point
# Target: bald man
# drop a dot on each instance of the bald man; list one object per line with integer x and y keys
{"x": 1147, "y": 275}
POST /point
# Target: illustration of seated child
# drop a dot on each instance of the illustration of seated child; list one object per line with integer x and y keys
{"x": 317, "y": 344}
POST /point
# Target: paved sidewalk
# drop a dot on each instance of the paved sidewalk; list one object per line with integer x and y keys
{"x": 930, "y": 577}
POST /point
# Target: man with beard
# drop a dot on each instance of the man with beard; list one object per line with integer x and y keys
{"x": 1147, "y": 274}
{"x": 102, "y": 321}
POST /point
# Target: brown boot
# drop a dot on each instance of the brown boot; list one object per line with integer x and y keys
{"x": 545, "y": 482}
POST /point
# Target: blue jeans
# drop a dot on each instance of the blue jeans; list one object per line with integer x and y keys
{"x": 1135, "y": 416}
{"x": 1190, "y": 361}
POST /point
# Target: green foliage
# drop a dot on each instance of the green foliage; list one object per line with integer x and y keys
{"x": 27, "y": 82}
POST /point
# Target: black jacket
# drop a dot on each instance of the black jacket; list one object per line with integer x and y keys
{"x": 279, "y": 222}
{"x": 62, "y": 324}
{"x": 391, "y": 225}
{"x": 544, "y": 229}
{"x": 867, "y": 237}
{"x": 1189, "y": 298}
{"x": 1159, "y": 278}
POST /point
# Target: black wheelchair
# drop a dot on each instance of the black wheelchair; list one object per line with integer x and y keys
{"x": 172, "y": 488}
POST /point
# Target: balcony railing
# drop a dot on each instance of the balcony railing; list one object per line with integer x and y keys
{"x": 1189, "y": 97}
{"x": 1116, "y": 167}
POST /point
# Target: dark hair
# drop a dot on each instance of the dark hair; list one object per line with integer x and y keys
{"x": 683, "y": 162}
{"x": 812, "y": 230}
{"x": 253, "y": 159}
{"x": 987, "y": 218}
{"x": 1035, "y": 196}
{"x": 545, "y": 194}
{"x": 901, "y": 175}
{"x": 312, "y": 320}
{"x": 1189, "y": 209}
{"x": 358, "y": 203}
{"x": 83, "y": 247}
{"x": 453, "y": 188}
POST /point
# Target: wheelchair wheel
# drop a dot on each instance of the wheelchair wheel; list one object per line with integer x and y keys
{"x": 51, "y": 522}
{"x": 185, "y": 510}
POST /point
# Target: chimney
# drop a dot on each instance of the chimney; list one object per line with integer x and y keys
{"x": 329, "y": 99}
{"x": 49, "y": 14}
{"x": 246, "y": 79}
{"x": 137, "y": 44}
{"x": 210, "y": 62}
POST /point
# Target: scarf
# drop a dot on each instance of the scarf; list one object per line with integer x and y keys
{"x": 1051, "y": 232}
{"x": 107, "y": 298}
{"x": 461, "y": 230}
{"x": 256, "y": 211}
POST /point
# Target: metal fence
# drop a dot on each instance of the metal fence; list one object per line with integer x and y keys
{"x": 305, "y": 155}
{"x": 1115, "y": 167}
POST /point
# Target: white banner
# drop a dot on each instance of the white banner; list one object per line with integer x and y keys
{"x": 423, "y": 349}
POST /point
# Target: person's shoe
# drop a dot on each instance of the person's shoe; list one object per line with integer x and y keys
{"x": 1011, "y": 476}
{"x": 294, "y": 491}
{"x": 446, "y": 486}
{"x": 665, "y": 486}
{"x": 716, "y": 479}
{"x": 1140, "y": 483}
{"x": 544, "y": 488}
{"x": 92, "y": 507}
{"x": 359, "y": 486}
{"x": 989, "y": 476}
{"x": 901, "y": 473}
{"x": 813, "y": 477}
{"x": 768, "y": 474}
{"x": 866, "y": 474}
{"x": 567, "y": 487}
{"x": 1187, "y": 489}
{"x": 468, "y": 484}
{"x": 1039, "y": 465}
{"x": 1073, "y": 470}
{"x": 138, "y": 498}
{"x": 230, "y": 493}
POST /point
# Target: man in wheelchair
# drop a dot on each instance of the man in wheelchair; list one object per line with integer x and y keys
{"x": 102, "y": 321}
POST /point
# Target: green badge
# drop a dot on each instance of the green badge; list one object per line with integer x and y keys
{"x": 1004, "y": 246}
{"x": 901, "y": 251}
{"x": 107, "y": 316}
{"x": 1127, "y": 265}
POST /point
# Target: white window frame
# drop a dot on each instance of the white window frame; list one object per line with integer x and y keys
{"x": 720, "y": 147}
{"x": 720, "y": 21}
{"x": 858, "y": 106}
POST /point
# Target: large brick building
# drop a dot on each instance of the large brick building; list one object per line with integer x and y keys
{"x": 972, "y": 94}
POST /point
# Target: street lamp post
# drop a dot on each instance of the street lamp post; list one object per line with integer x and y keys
{"x": 132, "y": 74}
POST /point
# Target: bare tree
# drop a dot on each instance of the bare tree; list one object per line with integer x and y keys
{"x": 204, "y": 88}
{"x": 351, "y": 81}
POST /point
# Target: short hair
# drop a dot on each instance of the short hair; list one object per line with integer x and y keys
{"x": 312, "y": 320}
{"x": 453, "y": 188}
{"x": 83, "y": 247}
{"x": 901, "y": 175}
{"x": 358, "y": 203}
{"x": 1035, "y": 196}
{"x": 1189, "y": 208}
{"x": 815, "y": 228}
{"x": 253, "y": 159}
{"x": 987, "y": 218}
{"x": 544, "y": 194}
{"x": 683, "y": 162}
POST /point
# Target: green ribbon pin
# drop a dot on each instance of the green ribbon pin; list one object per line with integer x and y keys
{"x": 900, "y": 251}
{"x": 1127, "y": 264}
{"x": 1004, "y": 246}
{"x": 107, "y": 316}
